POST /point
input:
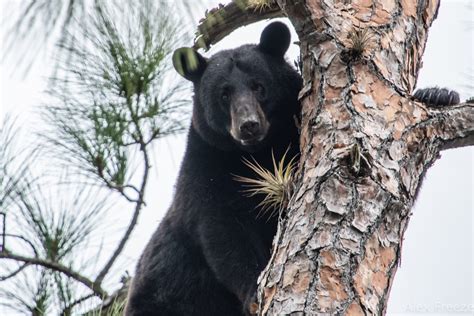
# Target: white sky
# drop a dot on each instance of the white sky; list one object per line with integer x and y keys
{"x": 436, "y": 274}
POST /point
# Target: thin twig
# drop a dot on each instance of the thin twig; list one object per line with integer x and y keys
{"x": 120, "y": 189}
{"x": 94, "y": 286}
{"x": 25, "y": 240}
{"x": 12, "y": 274}
{"x": 66, "y": 310}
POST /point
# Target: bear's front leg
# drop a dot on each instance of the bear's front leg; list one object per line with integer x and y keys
{"x": 236, "y": 254}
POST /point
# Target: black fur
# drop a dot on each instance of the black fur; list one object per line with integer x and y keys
{"x": 437, "y": 96}
{"x": 206, "y": 255}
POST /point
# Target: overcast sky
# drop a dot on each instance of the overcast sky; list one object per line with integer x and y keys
{"x": 436, "y": 274}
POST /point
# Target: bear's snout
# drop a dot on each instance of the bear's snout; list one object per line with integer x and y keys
{"x": 249, "y": 124}
{"x": 249, "y": 129}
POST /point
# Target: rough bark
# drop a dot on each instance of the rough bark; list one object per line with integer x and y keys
{"x": 222, "y": 20}
{"x": 366, "y": 146}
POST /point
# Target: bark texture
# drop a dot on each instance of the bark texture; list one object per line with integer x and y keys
{"x": 366, "y": 146}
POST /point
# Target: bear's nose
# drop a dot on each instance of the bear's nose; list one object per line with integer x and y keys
{"x": 249, "y": 129}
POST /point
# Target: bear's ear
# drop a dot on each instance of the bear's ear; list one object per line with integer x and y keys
{"x": 275, "y": 39}
{"x": 189, "y": 63}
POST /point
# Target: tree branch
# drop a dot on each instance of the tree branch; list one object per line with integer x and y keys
{"x": 95, "y": 287}
{"x": 454, "y": 125}
{"x": 139, "y": 202}
{"x": 447, "y": 127}
{"x": 120, "y": 189}
{"x": 13, "y": 273}
{"x": 221, "y": 21}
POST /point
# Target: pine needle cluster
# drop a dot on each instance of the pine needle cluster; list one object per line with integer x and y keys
{"x": 114, "y": 96}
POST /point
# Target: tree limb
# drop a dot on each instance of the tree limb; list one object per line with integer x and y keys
{"x": 221, "y": 21}
{"x": 448, "y": 127}
{"x": 95, "y": 287}
{"x": 140, "y": 202}
{"x": 455, "y": 125}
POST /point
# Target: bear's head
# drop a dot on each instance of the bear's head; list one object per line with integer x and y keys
{"x": 244, "y": 97}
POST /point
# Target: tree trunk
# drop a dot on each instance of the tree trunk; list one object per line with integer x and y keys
{"x": 366, "y": 146}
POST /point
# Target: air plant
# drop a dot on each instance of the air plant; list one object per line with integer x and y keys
{"x": 360, "y": 40}
{"x": 274, "y": 185}
{"x": 260, "y": 5}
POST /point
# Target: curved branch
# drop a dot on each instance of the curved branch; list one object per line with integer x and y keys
{"x": 140, "y": 202}
{"x": 221, "y": 21}
{"x": 95, "y": 287}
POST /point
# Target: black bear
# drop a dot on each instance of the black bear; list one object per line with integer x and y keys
{"x": 207, "y": 253}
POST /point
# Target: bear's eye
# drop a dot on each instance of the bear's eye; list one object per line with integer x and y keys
{"x": 225, "y": 94}
{"x": 258, "y": 88}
